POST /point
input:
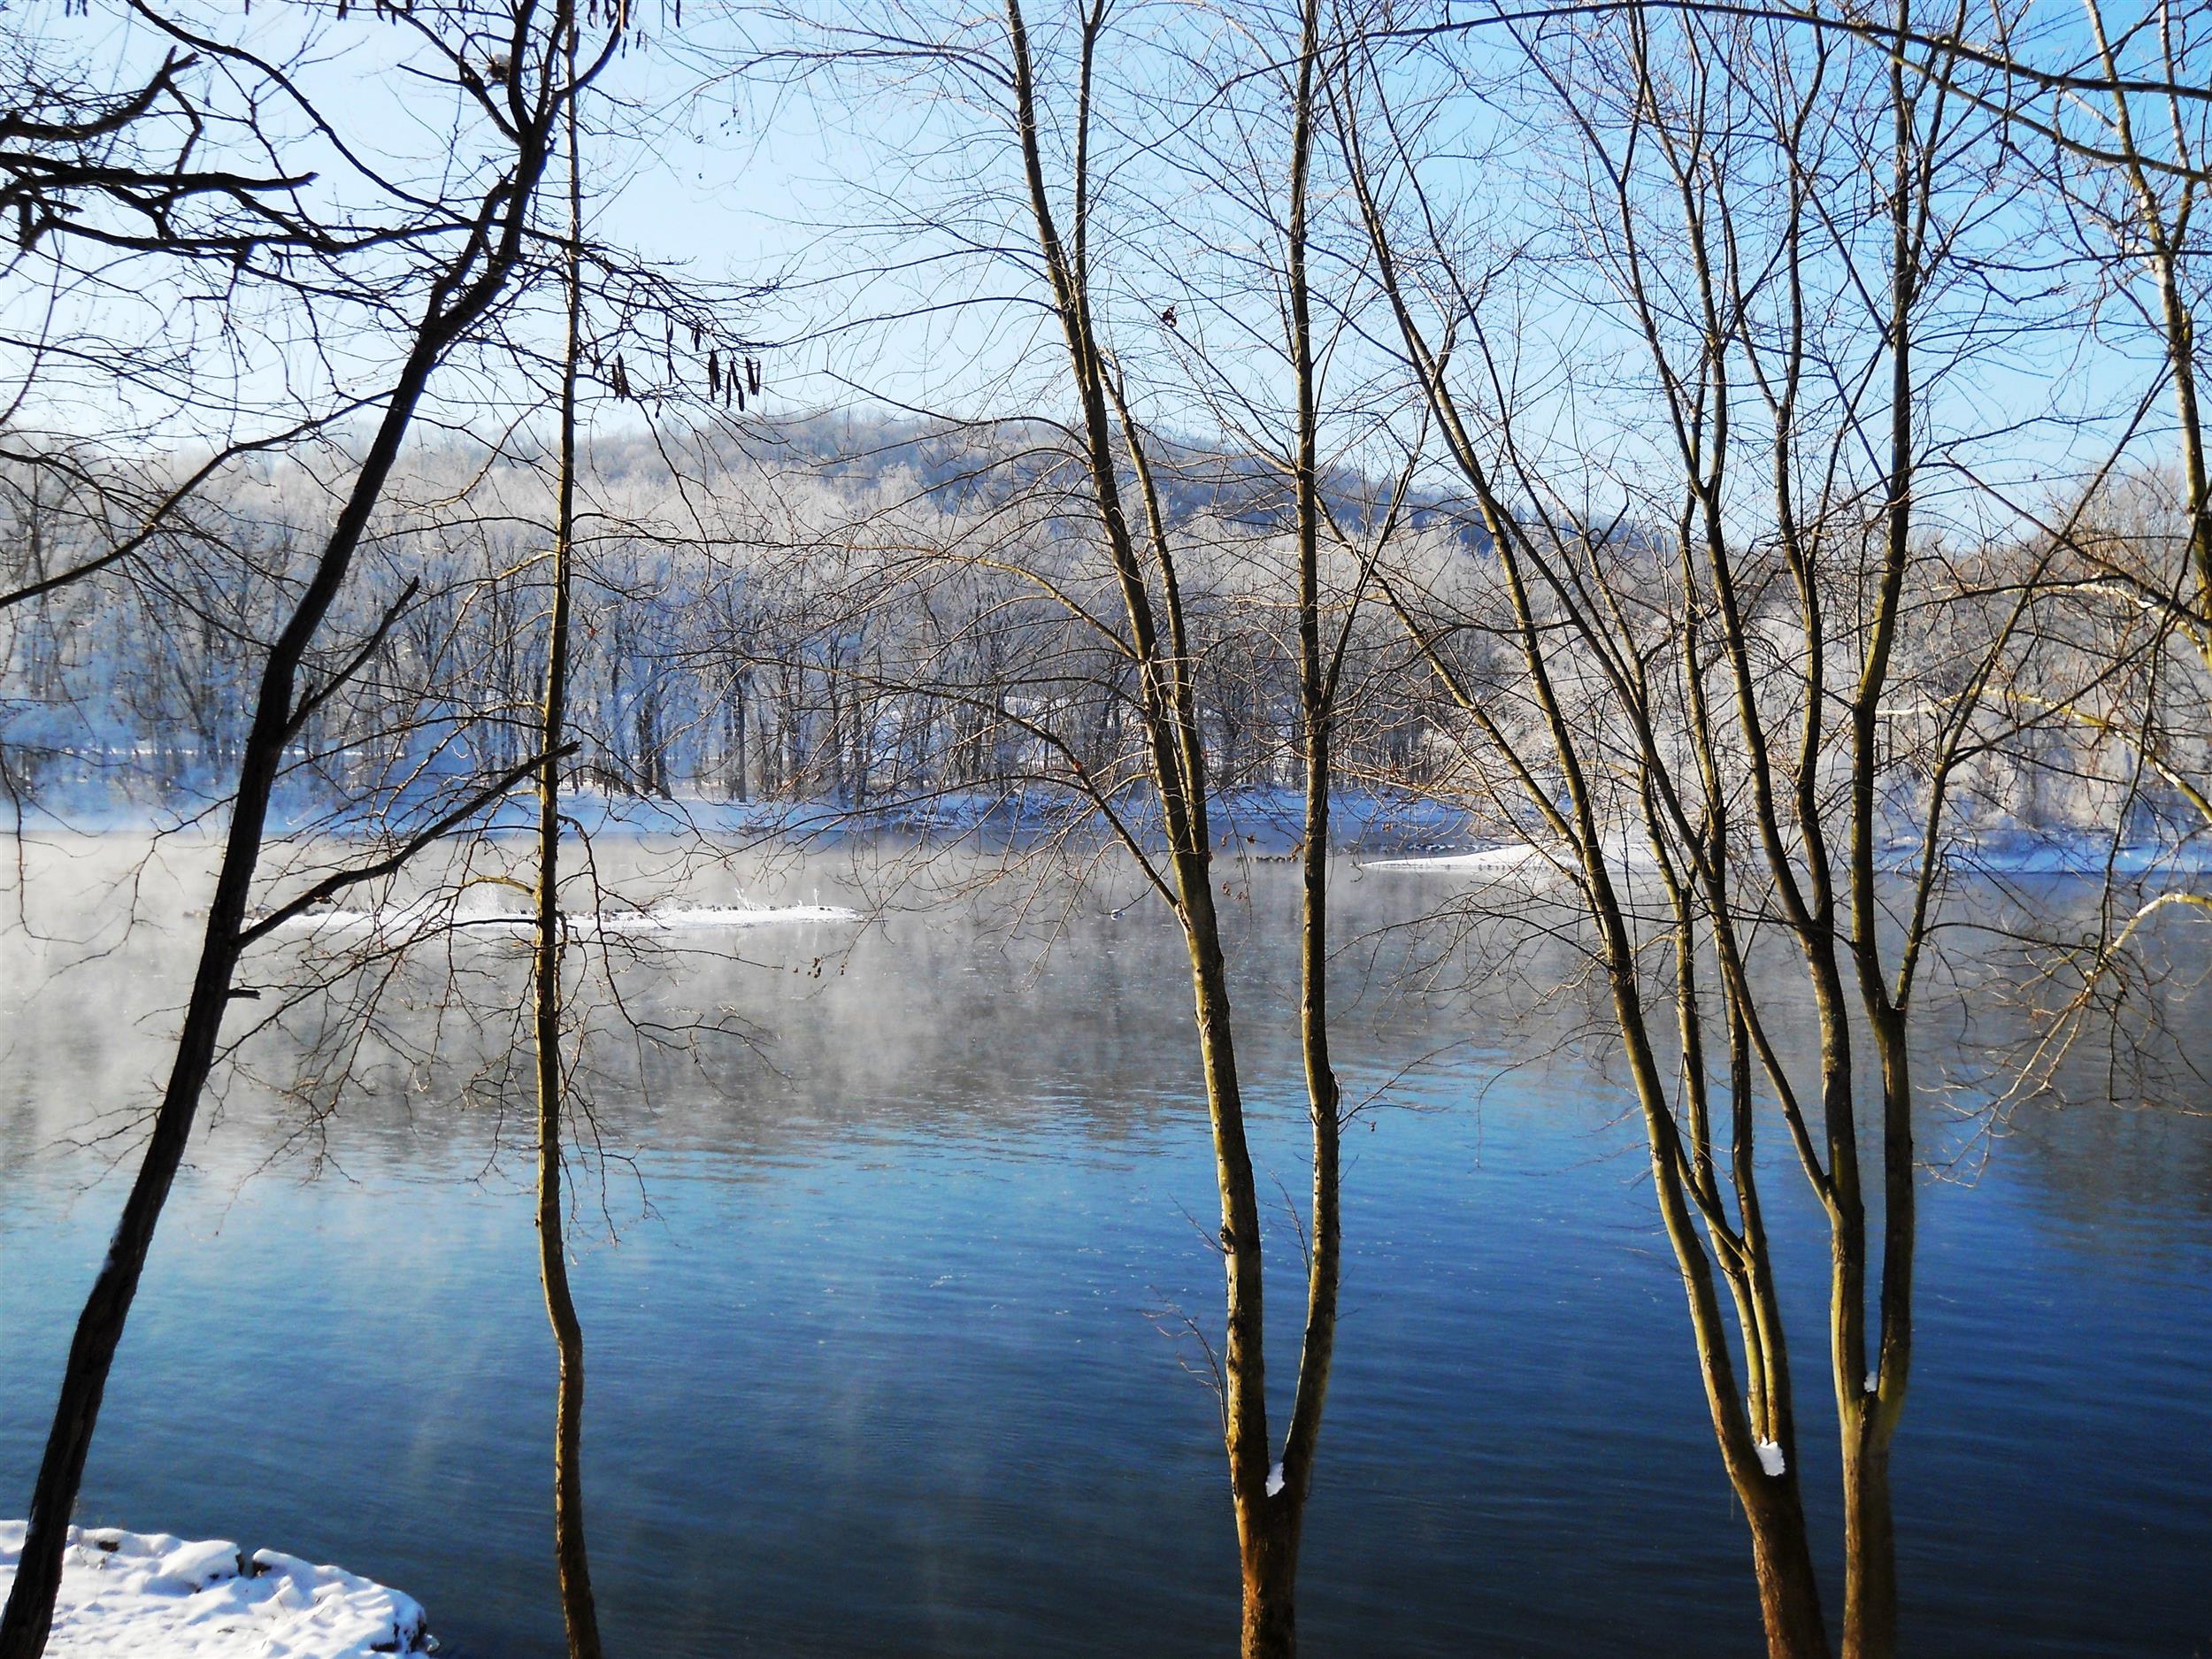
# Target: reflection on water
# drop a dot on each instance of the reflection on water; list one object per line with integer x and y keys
{"x": 886, "y": 1355}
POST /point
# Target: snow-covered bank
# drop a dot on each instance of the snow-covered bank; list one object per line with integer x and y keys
{"x": 147, "y": 1595}
{"x": 2010, "y": 854}
{"x": 1266, "y": 821}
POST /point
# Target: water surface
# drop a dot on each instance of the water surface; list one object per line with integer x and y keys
{"x": 888, "y": 1342}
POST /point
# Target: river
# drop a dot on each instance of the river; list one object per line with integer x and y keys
{"x": 887, "y": 1308}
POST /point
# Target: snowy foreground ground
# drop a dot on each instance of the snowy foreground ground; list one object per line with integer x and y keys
{"x": 147, "y": 1595}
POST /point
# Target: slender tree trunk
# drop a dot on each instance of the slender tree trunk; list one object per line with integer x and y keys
{"x": 737, "y": 740}
{"x": 1269, "y": 1499}
{"x": 1244, "y": 1357}
{"x": 1782, "y": 1561}
{"x": 1870, "y": 1544}
{"x": 579, "y": 1614}
{"x": 1867, "y": 1417}
{"x": 1270, "y": 1572}
{"x": 1869, "y": 1523}
{"x": 1269, "y": 1545}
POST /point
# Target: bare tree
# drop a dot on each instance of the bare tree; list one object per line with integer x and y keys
{"x": 522, "y": 104}
{"x": 1719, "y": 717}
{"x": 579, "y": 1613}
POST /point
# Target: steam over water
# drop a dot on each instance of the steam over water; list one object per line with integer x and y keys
{"x": 886, "y": 1348}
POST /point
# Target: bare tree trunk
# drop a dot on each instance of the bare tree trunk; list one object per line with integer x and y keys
{"x": 1868, "y": 1416}
{"x": 1270, "y": 1572}
{"x": 737, "y": 785}
{"x": 1266, "y": 1508}
{"x": 1869, "y": 1523}
{"x": 1269, "y": 1546}
{"x": 1782, "y": 1562}
{"x": 1870, "y": 1546}
{"x": 579, "y": 1613}
{"x": 1753, "y": 1426}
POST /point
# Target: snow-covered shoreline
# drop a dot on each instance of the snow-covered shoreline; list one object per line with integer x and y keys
{"x": 149, "y": 1595}
{"x": 2008, "y": 855}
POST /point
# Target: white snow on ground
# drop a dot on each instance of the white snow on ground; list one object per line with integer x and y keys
{"x": 400, "y": 920}
{"x": 1622, "y": 853}
{"x": 1770, "y": 1457}
{"x": 1997, "y": 854}
{"x": 147, "y": 1595}
{"x": 1488, "y": 859}
{"x": 683, "y": 918}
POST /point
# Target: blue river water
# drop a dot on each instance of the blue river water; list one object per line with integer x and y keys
{"x": 890, "y": 1320}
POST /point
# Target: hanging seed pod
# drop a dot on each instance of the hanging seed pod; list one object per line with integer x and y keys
{"x": 714, "y": 375}
{"x": 752, "y": 375}
{"x": 695, "y": 336}
{"x": 741, "y": 400}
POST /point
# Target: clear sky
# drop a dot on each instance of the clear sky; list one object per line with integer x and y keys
{"x": 881, "y": 204}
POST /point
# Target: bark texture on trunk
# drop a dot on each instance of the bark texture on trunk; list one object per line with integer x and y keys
{"x": 1869, "y": 1546}
{"x": 1268, "y": 1541}
{"x": 1782, "y": 1560}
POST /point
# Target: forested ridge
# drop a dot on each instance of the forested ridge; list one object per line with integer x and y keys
{"x": 838, "y": 613}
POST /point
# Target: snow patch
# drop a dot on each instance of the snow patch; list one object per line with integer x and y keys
{"x": 1770, "y": 1457}
{"x": 1486, "y": 858}
{"x": 1626, "y": 853}
{"x": 400, "y": 921}
{"x": 148, "y": 1595}
{"x": 683, "y": 918}
{"x": 2052, "y": 853}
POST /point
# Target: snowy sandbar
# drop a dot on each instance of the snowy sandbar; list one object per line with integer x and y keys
{"x": 148, "y": 1595}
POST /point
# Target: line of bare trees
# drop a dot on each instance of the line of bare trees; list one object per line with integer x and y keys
{"x": 784, "y": 653}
